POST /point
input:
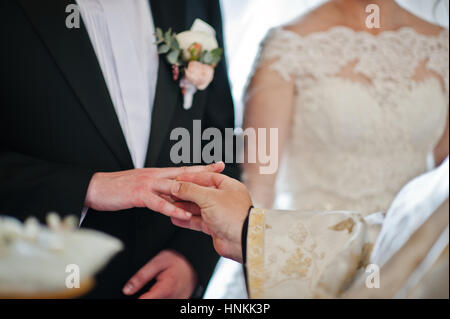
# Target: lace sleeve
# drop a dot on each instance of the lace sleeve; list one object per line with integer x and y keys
{"x": 275, "y": 47}
{"x": 269, "y": 103}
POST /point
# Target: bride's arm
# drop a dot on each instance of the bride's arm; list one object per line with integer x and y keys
{"x": 269, "y": 104}
{"x": 442, "y": 148}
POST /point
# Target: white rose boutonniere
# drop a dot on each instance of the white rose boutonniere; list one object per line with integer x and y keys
{"x": 193, "y": 55}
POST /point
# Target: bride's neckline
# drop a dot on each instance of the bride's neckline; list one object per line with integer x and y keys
{"x": 384, "y": 33}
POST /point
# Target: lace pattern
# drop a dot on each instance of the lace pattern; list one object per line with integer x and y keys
{"x": 368, "y": 111}
{"x": 255, "y": 253}
{"x": 301, "y": 254}
{"x": 323, "y": 54}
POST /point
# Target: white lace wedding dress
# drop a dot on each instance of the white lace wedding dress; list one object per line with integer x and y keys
{"x": 368, "y": 113}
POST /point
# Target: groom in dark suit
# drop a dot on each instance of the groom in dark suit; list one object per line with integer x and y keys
{"x": 70, "y": 133}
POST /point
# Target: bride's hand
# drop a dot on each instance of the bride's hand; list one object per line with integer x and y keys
{"x": 219, "y": 204}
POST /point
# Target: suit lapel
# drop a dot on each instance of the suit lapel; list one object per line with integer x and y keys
{"x": 166, "y": 14}
{"x": 75, "y": 56}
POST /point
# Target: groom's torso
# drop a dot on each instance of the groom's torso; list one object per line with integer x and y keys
{"x": 66, "y": 88}
{"x": 60, "y": 110}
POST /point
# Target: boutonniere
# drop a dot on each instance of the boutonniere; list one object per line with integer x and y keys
{"x": 193, "y": 55}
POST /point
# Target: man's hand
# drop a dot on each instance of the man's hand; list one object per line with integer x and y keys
{"x": 220, "y": 205}
{"x": 175, "y": 277}
{"x": 147, "y": 187}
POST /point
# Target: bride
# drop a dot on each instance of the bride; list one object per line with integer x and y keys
{"x": 359, "y": 111}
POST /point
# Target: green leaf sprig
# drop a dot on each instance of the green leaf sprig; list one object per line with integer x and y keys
{"x": 168, "y": 44}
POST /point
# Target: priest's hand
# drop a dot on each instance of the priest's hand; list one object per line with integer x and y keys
{"x": 219, "y": 204}
{"x": 147, "y": 187}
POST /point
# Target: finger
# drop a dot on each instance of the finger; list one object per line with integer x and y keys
{"x": 170, "y": 199}
{"x": 189, "y": 207}
{"x": 204, "y": 179}
{"x": 193, "y": 193}
{"x": 144, "y": 275}
{"x": 158, "y": 204}
{"x": 162, "y": 289}
{"x": 162, "y": 186}
{"x": 172, "y": 172}
{"x": 195, "y": 223}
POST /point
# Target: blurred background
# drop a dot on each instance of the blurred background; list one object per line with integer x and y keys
{"x": 246, "y": 23}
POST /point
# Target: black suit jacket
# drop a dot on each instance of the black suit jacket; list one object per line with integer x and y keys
{"x": 58, "y": 127}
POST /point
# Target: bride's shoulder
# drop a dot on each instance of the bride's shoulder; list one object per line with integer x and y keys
{"x": 319, "y": 19}
{"x": 422, "y": 26}
{"x": 291, "y": 36}
{"x": 284, "y": 42}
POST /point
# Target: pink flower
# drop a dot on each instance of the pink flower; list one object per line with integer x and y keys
{"x": 199, "y": 74}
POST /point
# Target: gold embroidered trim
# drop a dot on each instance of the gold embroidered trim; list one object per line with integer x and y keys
{"x": 255, "y": 253}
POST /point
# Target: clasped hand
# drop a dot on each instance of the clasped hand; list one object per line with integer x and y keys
{"x": 145, "y": 188}
{"x": 198, "y": 198}
{"x": 219, "y": 206}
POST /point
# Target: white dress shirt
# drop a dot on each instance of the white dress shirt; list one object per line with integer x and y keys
{"x": 122, "y": 35}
